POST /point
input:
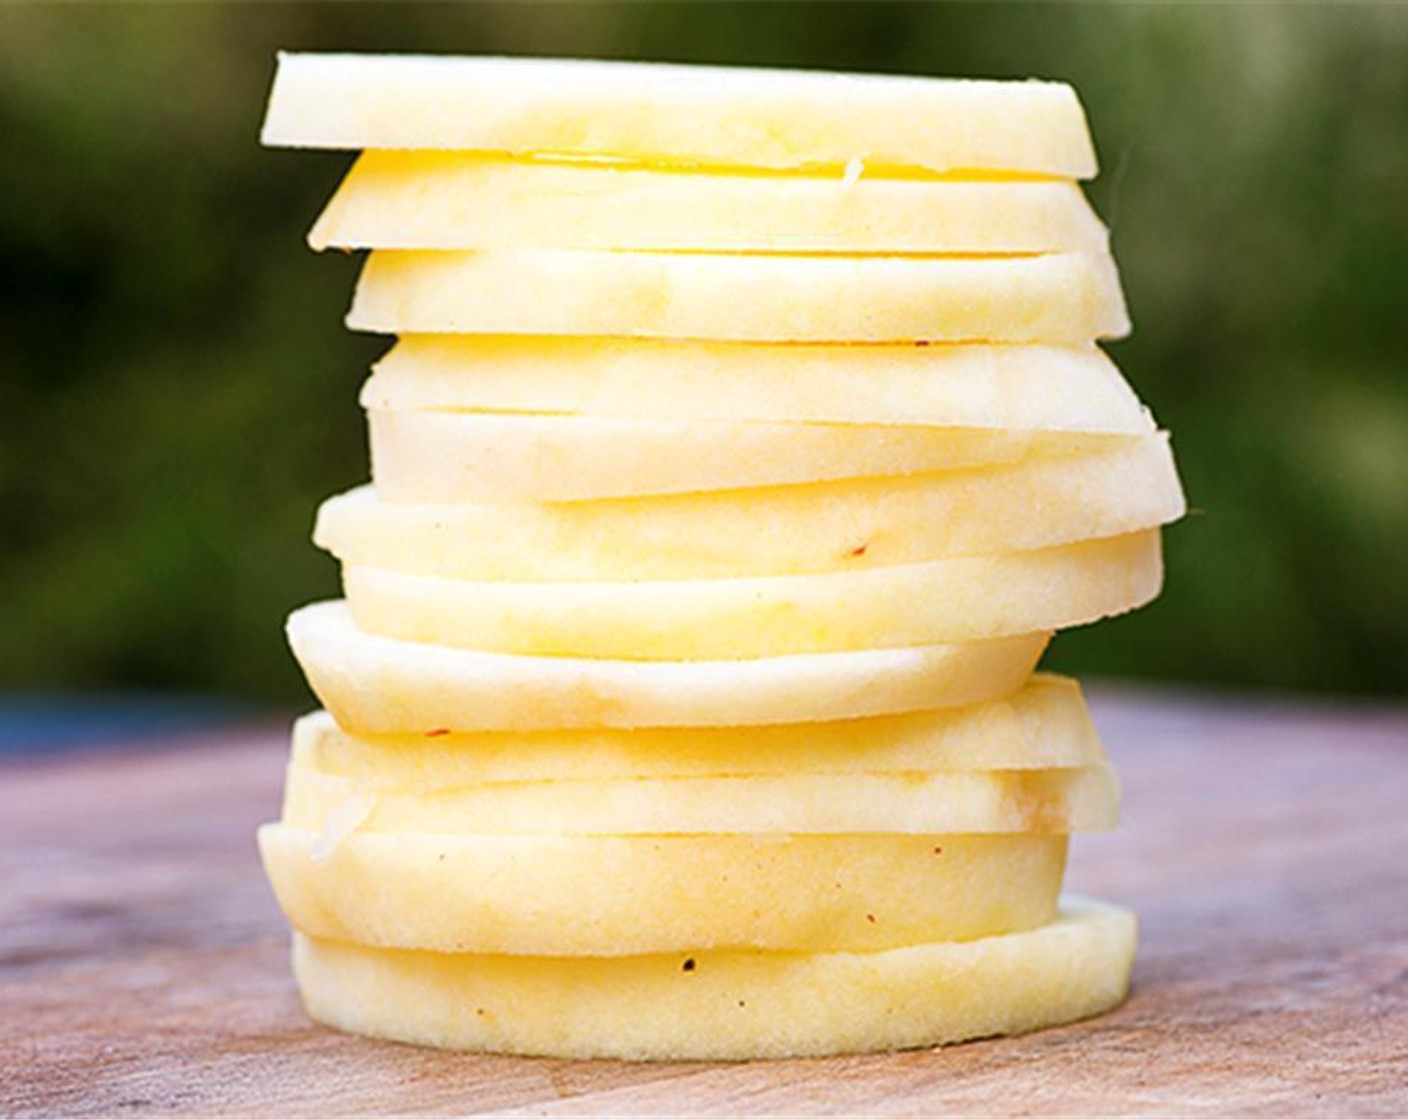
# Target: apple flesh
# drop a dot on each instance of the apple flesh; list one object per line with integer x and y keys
{"x": 1051, "y": 297}
{"x": 451, "y": 457}
{"x": 838, "y": 526}
{"x": 556, "y": 895}
{"x": 726, "y": 1005}
{"x": 469, "y": 200}
{"x": 1081, "y": 799}
{"x": 1048, "y": 388}
{"x": 378, "y": 685}
{"x": 958, "y": 600}
{"x": 1045, "y": 725}
{"x": 687, "y": 115}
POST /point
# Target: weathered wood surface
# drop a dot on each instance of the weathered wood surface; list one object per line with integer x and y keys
{"x": 143, "y": 965}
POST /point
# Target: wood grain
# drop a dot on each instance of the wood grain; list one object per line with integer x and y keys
{"x": 143, "y": 965}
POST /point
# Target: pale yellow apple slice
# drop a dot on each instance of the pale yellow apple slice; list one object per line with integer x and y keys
{"x": 466, "y": 200}
{"x": 727, "y": 1005}
{"x": 1054, "y": 297}
{"x": 1059, "y": 388}
{"x": 956, "y": 600}
{"x": 621, "y": 895}
{"x": 377, "y": 685}
{"x": 1044, "y": 725}
{"x": 1082, "y": 799}
{"x": 1073, "y": 799}
{"x": 420, "y": 457}
{"x": 820, "y": 527}
{"x": 696, "y": 114}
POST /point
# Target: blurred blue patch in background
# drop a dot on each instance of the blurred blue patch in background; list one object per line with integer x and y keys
{"x": 38, "y": 721}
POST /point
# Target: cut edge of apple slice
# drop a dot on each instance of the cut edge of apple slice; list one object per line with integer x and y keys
{"x": 1044, "y": 725}
{"x": 1051, "y": 297}
{"x": 691, "y": 114}
{"x": 380, "y": 685}
{"x": 622, "y": 895}
{"x": 465, "y": 200}
{"x": 710, "y": 1005}
{"x": 966, "y": 599}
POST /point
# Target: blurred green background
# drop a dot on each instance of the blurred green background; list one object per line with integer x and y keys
{"x": 177, "y": 392}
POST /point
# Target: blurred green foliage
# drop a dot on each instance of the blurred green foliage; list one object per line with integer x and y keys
{"x": 177, "y": 393}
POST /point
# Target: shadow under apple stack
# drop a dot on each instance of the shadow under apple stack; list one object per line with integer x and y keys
{"x": 744, "y": 442}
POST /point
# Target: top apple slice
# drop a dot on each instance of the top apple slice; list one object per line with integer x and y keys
{"x": 661, "y": 113}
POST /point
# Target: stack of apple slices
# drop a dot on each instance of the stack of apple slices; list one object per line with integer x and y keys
{"x": 745, "y": 440}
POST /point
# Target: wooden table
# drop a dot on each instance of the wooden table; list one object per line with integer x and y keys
{"x": 143, "y": 965}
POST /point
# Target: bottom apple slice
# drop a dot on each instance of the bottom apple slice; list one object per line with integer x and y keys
{"x": 724, "y": 1005}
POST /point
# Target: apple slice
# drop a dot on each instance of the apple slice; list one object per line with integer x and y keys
{"x": 375, "y": 685}
{"x": 1044, "y": 725}
{"x": 1054, "y": 297}
{"x": 429, "y": 457}
{"x": 1082, "y": 799}
{"x": 834, "y": 526}
{"x": 958, "y": 600}
{"x": 466, "y": 200}
{"x": 620, "y": 895}
{"x": 727, "y": 1005}
{"x": 1056, "y": 388}
{"x": 695, "y": 114}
